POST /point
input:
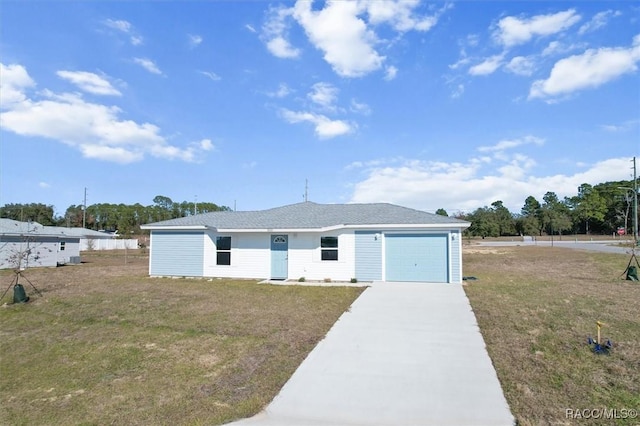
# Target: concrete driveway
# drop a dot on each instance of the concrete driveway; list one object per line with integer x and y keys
{"x": 404, "y": 354}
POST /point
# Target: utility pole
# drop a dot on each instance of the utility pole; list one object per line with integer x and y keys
{"x": 306, "y": 190}
{"x": 84, "y": 209}
{"x": 635, "y": 204}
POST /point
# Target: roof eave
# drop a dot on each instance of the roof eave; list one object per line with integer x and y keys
{"x": 175, "y": 227}
{"x": 399, "y": 226}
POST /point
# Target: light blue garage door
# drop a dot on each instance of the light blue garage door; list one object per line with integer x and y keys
{"x": 417, "y": 257}
{"x": 177, "y": 253}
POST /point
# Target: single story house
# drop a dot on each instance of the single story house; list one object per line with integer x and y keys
{"x": 339, "y": 242}
{"x": 96, "y": 240}
{"x": 30, "y": 244}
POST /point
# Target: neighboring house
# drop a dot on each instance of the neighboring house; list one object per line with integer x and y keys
{"x": 30, "y": 244}
{"x": 96, "y": 240}
{"x": 316, "y": 241}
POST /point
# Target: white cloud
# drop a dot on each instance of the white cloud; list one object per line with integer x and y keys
{"x": 622, "y": 127}
{"x": 126, "y": 28}
{"x": 400, "y": 15}
{"x": 390, "y": 73}
{"x": 360, "y": 108}
{"x": 464, "y": 60}
{"x": 473, "y": 40}
{"x": 557, "y": 48}
{"x": 458, "y": 91}
{"x": 429, "y": 185}
{"x": 521, "y": 65}
{"x": 325, "y": 128}
{"x": 488, "y": 66}
{"x": 324, "y": 95}
{"x": 554, "y": 47}
{"x": 512, "y": 143}
{"x": 96, "y": 130}
{"x": 275, "y": 33}
{"x": 194, "y": 40}
{"x": 13, "y": 82}
{"x": 344, "y": 38}
{"x": 281, "y": 48}
{"x": 512, "y": 31}
{"x": 212, "y": 75}
{"x": 371, "y": 163}
{"x": 344, "y": 31}
{"x": 282, "y": 92}
{"x": 593, "y": 68}
{"x": 119, "y": 25}
{"x": 89, "y": 82}
{"x": 148, "y": 64}
{"x": 44, "y": 185}
{"x": 250, "y": 28}
{"x": 205, "y": 145}
{"x": 598, "y": 21}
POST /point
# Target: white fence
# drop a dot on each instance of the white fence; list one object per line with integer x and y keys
{"x": 107, "y": 244}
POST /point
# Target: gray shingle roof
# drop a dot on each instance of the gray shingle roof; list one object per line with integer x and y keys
{"x": 309, "y": 215}
{"x": 14, "y": 227}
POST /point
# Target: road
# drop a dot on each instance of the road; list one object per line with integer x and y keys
{"x": 608, "y": 246}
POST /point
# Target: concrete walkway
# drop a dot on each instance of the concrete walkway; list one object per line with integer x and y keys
{"x": 404, "y": 354}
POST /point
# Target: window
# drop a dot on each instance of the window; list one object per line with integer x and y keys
{"x": 62, "y": 245}
{"x": 223, "y": 251}
{"x": 329, "y": 246}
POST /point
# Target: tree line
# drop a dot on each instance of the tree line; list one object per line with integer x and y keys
{"x": 601, "y": 209}
{"x": 124, "y": 218}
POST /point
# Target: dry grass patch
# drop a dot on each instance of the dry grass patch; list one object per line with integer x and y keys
{"x": 108, "y": 345}
{"x": 535, "y": 307}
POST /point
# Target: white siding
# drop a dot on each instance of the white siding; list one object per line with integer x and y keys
{"x": 455, "y": 252}
{"x": 45, "y": 251}
{"x": 250, "y": 256}
{"x": 71, "y": 249}
{"x": 305, "y": 257}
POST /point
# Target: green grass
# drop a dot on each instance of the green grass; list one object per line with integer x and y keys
{"x": 108, "y": 345}
{"x": 536, "y": 306}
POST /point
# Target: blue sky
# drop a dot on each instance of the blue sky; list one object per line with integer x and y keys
{"x": 424, "y": 104}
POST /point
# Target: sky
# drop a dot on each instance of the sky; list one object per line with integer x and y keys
{"x": 253, "y": 104}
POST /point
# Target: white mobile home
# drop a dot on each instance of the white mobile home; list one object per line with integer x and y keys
{"x": 340, "y": 242}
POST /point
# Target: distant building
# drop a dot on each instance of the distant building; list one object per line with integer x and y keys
{"x": 30, "y": 244}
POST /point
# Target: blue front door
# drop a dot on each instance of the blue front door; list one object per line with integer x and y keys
{"x": 279, "y": 257}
